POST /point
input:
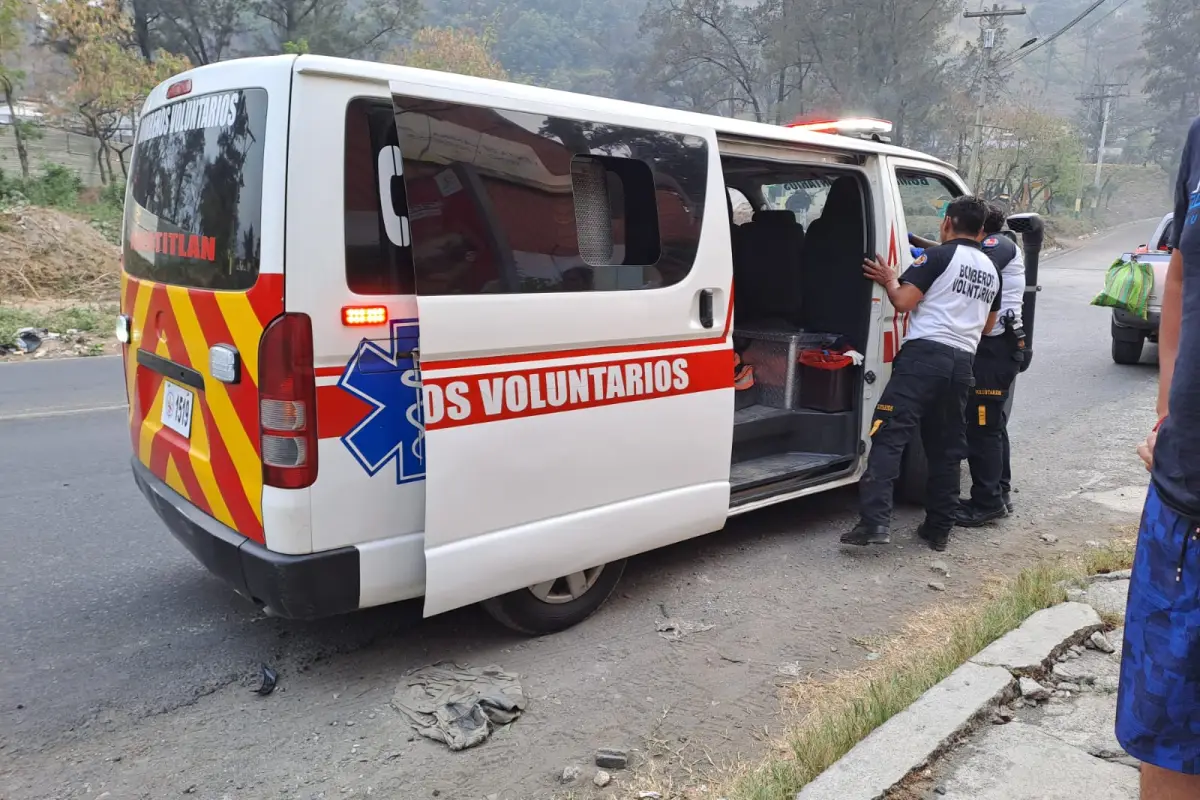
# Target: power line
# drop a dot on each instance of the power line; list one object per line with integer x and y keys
{"x": 1111, "y": 11}
{"x": 1030, "y": 50}
{"x": 1069, "y": 69}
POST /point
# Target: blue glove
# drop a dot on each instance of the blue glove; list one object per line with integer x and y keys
{"x": 917, "y": 252}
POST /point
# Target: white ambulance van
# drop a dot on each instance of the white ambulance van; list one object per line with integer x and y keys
{"x": 393, "y": 334}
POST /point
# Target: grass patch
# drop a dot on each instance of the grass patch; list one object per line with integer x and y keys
{"x": 838, "y": 714}
{"x": 83, "y": 318}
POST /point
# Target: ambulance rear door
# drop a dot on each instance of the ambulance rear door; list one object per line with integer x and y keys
{"x": 573, "y": 278}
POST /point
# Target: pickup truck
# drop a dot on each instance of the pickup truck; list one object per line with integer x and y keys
{"x": 1129, "y": 331}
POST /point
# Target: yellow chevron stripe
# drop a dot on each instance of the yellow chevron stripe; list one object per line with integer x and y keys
{"x": 204, "y": 472}
{"x": 200, "y": 451}
{"x": 229, "y": 425}
{"x": 173, "y": 480}
{"x": 245, "y": 328}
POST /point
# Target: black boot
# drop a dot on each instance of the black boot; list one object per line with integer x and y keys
{"x": 864, "y": 534}
{"x": 972, "y": 516}
{"x": 1008, "y": 504}
{"x": 937, "y": 540}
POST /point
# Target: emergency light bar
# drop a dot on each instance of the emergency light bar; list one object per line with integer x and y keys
{"x": 353, "y": 316}
{"x": 864, "y": 127}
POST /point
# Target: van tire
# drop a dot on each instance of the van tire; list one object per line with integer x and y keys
{"x": 914, "y": 473}
{"x": 1127, "y": 352}
{"x": 525, "y": 613}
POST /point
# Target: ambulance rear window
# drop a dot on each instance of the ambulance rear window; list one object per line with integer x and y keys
{"x": 193, "y": 209}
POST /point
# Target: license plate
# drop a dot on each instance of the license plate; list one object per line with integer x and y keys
{"x": 177, "y": 409}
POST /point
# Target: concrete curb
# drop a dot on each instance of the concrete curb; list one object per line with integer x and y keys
{"x": 915, "y": 736}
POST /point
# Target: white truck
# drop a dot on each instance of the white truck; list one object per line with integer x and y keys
{"x": 1129, "y": 331}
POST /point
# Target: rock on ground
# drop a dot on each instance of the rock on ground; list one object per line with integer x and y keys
{"x": 612, "y": 758}
{"x": 1100, "y": 642}
{"x": 1032, "y": 690}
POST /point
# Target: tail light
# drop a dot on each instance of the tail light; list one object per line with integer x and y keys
{"x": 287, "y": 408}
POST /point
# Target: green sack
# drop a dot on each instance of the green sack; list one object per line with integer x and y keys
{"x": 1128, "y": 285}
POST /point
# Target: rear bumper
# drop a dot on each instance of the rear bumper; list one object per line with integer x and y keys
{"x": 1134, "y": 325}
{"x": 297, "y": 587}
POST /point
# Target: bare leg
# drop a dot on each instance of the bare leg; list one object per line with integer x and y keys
{"x": 1162, "y": 784}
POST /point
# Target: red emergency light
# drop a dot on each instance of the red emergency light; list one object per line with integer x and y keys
{"x": 851, "y": 126}
{"x": 179, "y": 88}
{"x": 355, "y": 316}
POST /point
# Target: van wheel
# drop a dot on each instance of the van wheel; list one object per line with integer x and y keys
{"x": 1127, "y": 352}
{"x": 556, "y": 605}
{"x": 914, "y": 473}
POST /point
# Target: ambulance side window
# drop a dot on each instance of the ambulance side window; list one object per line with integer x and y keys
{"x": 507, "y": 202}
{"x": 379, "y": 255}
{"x": 925, "y": 196}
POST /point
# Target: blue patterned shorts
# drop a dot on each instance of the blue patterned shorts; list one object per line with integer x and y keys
{"x": 1158, "y": 704}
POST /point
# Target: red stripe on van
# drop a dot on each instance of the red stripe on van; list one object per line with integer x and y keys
{"x": 470, "y": 400}
{"x": 338, "y": 411}
{"x": 235, "y": 498}
{"x": 266, "y": 297}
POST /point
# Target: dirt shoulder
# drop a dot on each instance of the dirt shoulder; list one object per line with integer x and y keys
{"x": 59, "y": 283}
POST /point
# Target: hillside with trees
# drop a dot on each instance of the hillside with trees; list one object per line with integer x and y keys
{"x": 1037, "y": 83}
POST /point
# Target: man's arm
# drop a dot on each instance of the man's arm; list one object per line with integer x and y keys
{"x": 1168, "y": 329}
{"x": 920, "y": 241}
{"x": 906, "y": 295}
{"x": 1172, "y": 299}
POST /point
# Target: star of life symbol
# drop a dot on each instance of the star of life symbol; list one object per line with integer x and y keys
{"x": 389, "y": 380}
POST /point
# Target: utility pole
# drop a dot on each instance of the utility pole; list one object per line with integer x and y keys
{"x": 991, "y": 20}
{"x": 1105, "y": 94}
{"x": 1051, "y": 52}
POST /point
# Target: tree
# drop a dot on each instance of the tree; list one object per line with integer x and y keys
{"x": 713, "y": 51}
{"x": 1032, "y": 159}
{"x": 112, "y": 78}
{"x": 452, "y": 50}
{"x": 144, "y": 17}
{"x": 1172, "y": 63}
{"x": 12, "y": 14}
{"x": 202, "y": 30}
{"x": 774, "y": 58}
{"x": 334, "y": 27}
{"x": 579, "y": 46}
{"x": 879, "y": 57}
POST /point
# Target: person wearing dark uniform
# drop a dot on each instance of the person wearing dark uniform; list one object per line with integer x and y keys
{"x": 1158, "y": 699}
{"x": 997, "y": 363}
{"x": 953, "y": 291}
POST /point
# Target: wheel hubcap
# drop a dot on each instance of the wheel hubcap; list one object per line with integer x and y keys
{"x": 568, "y": 588}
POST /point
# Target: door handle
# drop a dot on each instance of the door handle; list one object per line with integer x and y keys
{"x": 706, "y": 307}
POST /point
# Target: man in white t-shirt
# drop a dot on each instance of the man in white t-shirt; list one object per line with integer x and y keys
{"x": 953, "y": 293}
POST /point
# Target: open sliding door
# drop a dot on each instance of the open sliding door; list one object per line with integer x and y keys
{"x": 573, "y": 281}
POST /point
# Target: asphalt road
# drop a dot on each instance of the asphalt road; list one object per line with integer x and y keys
{"x": 108, "y": 621}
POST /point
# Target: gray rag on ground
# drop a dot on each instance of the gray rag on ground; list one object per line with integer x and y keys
{"x": 459, "y": 706}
